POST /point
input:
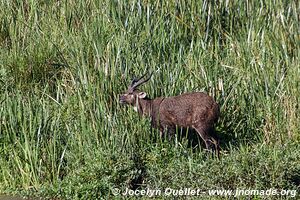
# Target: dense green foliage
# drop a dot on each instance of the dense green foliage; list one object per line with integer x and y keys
{"x": 64, "y": 135}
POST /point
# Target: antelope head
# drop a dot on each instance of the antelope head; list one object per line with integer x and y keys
{"x": 132, "y": 95}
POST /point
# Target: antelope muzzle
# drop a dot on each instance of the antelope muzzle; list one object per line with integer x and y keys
{"x": 122, "y": 99}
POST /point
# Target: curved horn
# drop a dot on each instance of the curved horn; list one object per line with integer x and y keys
{"x": 137, "y": 82}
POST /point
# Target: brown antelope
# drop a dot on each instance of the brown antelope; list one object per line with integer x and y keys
{"x": 194, "y": 110}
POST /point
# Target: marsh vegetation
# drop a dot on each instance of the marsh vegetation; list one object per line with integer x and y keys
{"x": 63, "y": 64}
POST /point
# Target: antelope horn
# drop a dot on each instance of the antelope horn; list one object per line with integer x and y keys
{"x": 137, "y": 82}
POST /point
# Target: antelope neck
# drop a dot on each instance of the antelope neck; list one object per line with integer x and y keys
{"x": 143, "y": 106}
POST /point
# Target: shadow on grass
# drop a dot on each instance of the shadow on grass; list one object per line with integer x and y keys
{"x": 139, "y": 169}
{"x": 194, "y": 141}
{"x": 294, "y": 178}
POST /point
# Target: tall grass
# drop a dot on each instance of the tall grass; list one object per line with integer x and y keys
{"x": 63, "y": 63}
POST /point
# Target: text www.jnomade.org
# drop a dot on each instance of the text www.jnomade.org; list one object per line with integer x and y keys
{"x": 199, "y": 192}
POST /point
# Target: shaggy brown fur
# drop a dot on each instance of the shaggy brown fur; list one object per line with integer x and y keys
{"x": 194, "y": 110}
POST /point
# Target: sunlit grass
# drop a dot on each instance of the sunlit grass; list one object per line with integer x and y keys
{"x": 63, "y": 63}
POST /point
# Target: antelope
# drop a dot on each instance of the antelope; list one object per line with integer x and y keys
{"x": 195, "y": 110}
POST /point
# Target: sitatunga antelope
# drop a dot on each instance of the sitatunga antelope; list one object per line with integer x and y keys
{"x": 195, "y": 110}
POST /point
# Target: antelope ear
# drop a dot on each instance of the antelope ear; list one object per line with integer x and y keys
{"x": 142, "y": 95}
